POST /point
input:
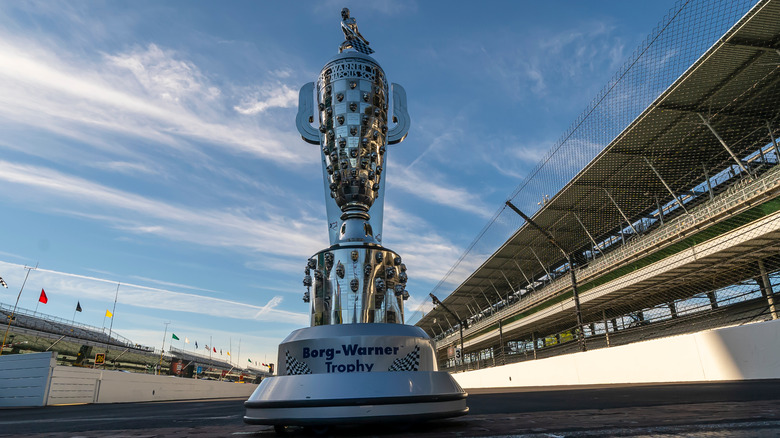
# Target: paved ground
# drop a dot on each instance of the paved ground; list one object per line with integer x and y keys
{"x": 746, "y": 409}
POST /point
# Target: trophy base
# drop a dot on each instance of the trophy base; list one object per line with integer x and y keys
{"x": 333, "y": 395}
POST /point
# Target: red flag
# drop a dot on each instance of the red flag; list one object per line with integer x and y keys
{"x": 43, "y": 298}
{"x": 215, "y": 349}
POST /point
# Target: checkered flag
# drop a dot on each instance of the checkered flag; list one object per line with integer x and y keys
{"x": 410, "y": 362}
{"x": 294, "y": 367}
{"x": 357, "y": 44}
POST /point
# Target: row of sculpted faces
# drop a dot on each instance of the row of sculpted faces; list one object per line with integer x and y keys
{"x": 364, "y": 280}
{"x": 353, "y": 126}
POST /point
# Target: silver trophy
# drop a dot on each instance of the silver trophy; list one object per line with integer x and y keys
{"x": 358, "y": 361}
{"x": 356, "y": 279}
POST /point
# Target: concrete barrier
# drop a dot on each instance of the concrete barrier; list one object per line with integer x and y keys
{"x": 83, "y": 385}
{"x": 24, "y": 378}
{"x": 746, "y": 352}
{"x": 35, "y": 380}
{"x": 73, "y": 385}
{"x": 116, "y": 387}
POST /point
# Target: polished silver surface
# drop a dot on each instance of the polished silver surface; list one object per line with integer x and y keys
{"x": 353, "y": 38}
{"x": 357, "y": 113}
{"x": 352, "y": 101}
{"x": 356, "y": 285}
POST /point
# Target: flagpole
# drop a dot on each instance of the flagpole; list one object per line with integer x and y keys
{"x": 111, "y": 326}
{"x": 13, "y": 313}
{"x": 211, "y": 343}
{"x": 159, "y": 363}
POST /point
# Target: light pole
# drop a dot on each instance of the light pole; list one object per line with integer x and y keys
{"x": 570, "y": 260}
{"x": 11, "y": 318}
{"x": 159, "y": 363}
{"x": 111, "y": 326}
{"x": 461, "y": 323}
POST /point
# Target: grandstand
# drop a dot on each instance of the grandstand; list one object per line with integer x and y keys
{"x": 76, "y": 345}
{"x": 665, "y": 217}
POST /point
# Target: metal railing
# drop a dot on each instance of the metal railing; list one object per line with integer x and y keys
{"x": 53, "y": 324}
{"x": 733, "y": 200}
{"x": 739, "y": 307}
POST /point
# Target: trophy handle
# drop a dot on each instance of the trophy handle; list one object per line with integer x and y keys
{"x": 400, "y": 116}
{"x": 306, "y": 115}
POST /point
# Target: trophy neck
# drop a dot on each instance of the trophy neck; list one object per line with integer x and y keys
{"x": 356, "y": 230}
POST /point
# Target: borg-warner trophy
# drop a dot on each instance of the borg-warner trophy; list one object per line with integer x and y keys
{"x": 358, "y": 362}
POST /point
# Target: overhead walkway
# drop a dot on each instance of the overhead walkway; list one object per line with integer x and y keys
{"x": 677, "y": 214}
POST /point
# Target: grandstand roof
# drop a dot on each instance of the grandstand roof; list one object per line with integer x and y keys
{"x": 734, "y": 88}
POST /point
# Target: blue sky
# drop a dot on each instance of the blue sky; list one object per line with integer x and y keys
{"x": 153, "y": 144}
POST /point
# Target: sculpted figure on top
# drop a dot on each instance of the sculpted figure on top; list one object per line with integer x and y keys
{"x": 354, "y": 40}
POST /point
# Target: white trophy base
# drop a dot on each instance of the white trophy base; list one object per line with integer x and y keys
{"x": 332, "y": 397}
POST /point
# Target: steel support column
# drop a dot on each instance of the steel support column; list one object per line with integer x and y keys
{"x": 501, "y": 340}
{"x": 669, "y": 189}
{"x": 723, "y": 143}
{"x": 713, "y": 299}
{"x": 476, "y": 305}
{"x": 709, "y": 184}
{"x": 497, "y": 292}
{"x": 770, "y": 297}
{"x": 774, "y": 141}
{"x": 606, "y": 326}
{"x": 490, "y": 305}
{"x": 507, "y": 282}
{"x": 621, "y": 213}
{"x": 592, "y": 240}
{"x": 540, "y": 263}
{"x": 660, "y": 209}
{"x": 533, "y": 288}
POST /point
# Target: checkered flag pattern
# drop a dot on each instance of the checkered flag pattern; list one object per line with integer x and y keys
{"x": 410, "y": 362}
{"x": 294, "y": 367}
{"x": 358, "y": 45}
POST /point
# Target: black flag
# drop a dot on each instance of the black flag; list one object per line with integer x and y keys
{"x": 78, "y": 306}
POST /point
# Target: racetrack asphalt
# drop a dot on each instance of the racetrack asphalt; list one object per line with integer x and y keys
{"x": 739, "y": 409}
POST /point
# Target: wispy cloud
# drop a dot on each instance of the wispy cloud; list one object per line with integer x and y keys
{"x": 149, "y": 93}
{"x": 425, "y": 186}
{"x": 79, "y": 197}
{"x": 269, "y": 96}
{"x": 427, "y": 253}
{"x": 275, "y": 301}
{"x": 538, "y": 60}
{"x": 164, "y": 76}
{"x": 87, "y": 287}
